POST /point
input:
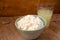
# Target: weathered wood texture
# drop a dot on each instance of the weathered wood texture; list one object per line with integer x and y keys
{"x": 21, "y": 7}
{"x": 8, "y": 30}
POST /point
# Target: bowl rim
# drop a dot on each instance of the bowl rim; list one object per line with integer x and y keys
{"x": 44, "y": 22}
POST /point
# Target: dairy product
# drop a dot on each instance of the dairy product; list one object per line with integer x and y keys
{"x": 30, "y": 22}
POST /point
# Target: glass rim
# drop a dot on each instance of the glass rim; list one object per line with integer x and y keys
{"x": 50, "y": 7}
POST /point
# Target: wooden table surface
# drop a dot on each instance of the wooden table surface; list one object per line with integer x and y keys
{"x": 8, "y": 30}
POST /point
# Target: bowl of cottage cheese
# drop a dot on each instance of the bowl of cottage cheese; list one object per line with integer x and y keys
{"x": 30, "y": 26}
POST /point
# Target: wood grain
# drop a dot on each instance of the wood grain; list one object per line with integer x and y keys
{"x": 21, "y": 7}
{"x": 8, "y": 30}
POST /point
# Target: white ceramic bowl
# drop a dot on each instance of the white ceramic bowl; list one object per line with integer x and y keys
{"x": 30, "y": 34}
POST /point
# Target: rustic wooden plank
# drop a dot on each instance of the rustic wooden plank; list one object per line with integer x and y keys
{"x": 8, "y": 30}
{"x": 21, "y": 7}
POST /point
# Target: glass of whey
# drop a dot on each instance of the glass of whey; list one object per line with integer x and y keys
{"x": 30, "y": 26}
{"x": 46, "y": 12}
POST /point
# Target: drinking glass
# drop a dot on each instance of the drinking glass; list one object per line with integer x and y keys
{"x": 45, "y": 12}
